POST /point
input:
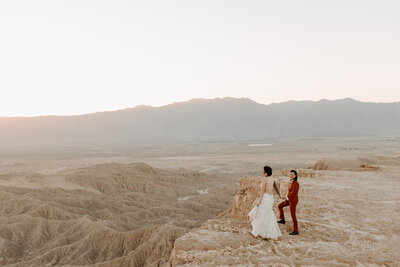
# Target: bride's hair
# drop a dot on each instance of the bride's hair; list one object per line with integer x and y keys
{"x": 295, "y": 173}
{"x": 268, "y": 170}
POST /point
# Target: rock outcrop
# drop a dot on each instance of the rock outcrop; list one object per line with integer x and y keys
{"x": 245, "y": 198}
{"x": 320, "y": 165}
{"x": 333, "y": 224}
{"x": 226, "y": 240}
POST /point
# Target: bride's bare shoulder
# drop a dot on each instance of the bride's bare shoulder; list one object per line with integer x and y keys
{"x": 263, "y": 182}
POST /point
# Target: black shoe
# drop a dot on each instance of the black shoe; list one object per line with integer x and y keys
{"x": 294, "y": 233}
{"x": 282, "y": 221}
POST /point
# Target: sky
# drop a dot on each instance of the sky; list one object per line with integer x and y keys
{"x": 62, "y": 57}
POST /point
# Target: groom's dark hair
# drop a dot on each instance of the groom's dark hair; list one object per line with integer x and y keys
{"x": 268, "y": 170}
{"x": 295, "y": 173}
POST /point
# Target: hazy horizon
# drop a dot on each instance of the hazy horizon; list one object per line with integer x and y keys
{"x": 194, "y": 99}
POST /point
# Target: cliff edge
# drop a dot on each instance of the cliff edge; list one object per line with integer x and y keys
{"x": 340, "y": 224}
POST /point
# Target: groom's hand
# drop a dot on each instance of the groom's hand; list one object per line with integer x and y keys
{"x": 283, "y": 197}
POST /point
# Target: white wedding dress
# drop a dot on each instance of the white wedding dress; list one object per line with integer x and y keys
{"x": 263, "y": 220}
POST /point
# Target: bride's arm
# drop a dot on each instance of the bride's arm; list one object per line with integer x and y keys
{"x": 261, "y": 192}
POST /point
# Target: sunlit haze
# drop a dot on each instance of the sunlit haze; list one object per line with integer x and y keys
{"x": 76, "y": 57}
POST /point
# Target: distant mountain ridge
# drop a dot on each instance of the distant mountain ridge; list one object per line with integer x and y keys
{"x": 207, "y": 119}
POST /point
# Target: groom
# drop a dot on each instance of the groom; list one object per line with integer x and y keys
{"x": 290, "y": 200}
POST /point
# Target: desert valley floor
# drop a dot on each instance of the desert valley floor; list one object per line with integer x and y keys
{"x": 128, "y": 206}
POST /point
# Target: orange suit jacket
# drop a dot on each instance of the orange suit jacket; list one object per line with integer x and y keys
{"x": 293, "y": 195}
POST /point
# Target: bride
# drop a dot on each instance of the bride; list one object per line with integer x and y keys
{"x": 263, "y": 220}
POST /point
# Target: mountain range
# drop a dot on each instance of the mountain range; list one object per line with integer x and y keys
{"x": 197, "y": 120}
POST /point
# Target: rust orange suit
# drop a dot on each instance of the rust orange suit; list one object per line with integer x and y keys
{"x": 293, "y": 197}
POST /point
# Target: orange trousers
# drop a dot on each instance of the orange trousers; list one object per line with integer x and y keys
{"x": 292, "y": 212}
